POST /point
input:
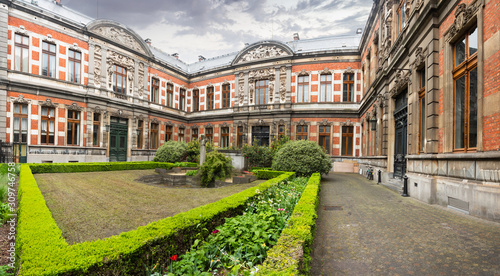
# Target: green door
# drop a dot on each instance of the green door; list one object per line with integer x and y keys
{"x": 118, "y": 134}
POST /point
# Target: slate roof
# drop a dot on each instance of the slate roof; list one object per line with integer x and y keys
{"x": 322, "y": 44}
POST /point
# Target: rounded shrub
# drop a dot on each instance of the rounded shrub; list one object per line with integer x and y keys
{"x": 216, "y": 166}
{"x": 171, "y": 151}
{"x": 258, "y": 156}
{"x": 302, "y": 157}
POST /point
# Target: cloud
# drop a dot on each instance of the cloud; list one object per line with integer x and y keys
{"x": 216, "y": 27}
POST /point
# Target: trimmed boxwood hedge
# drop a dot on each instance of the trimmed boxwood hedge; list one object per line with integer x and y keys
{"x": 291, "y": 255}
{"x": 102, "y": 166}
{"x": 265, "y": 174}
{"x": 42, "y": 250}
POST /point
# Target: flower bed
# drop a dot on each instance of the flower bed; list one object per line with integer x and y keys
{"x": 240, "y": 244}
{"x": 42, "y": 250}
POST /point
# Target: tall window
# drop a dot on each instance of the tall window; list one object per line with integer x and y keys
{"x": 154, "y": 136}
{"x": 194, "y": 134}
{"x": 96, "y": 133}
{"x": 155, "y": 90}
{"x": 196, "y": 100}
{"x": 422, "y": 105}
{"x": 140, "y": 139}
{"x": 48, "y": 59}
{"x": 75, "y": 61}
{"x": 73, "y": 129}
{"x": 324, "y": 138}
{"x": 303, "y": 89}
{"x": 281, "y": 131}
{"x": 210, "y": 98}
{"x": 348, "y": 87}
{"x": 226, "y": 99}
{"x": 170, "y": 95}
{"x": 119, "y": 79}
{"x": 240, "y": 136}
{"x": 168, "y": 133}
{"x": 325, "y": 93}
{"x": 301, "y": 133}
{"x": 224, "y": 137}
{"x": 181, "y": 134}
{"x": 261, "y": 91}
{"x": 465, "y": 92}
{"x": 182, "y": 99}
{"x": 401, "y": 16}
{"x": 209, "y": 133}
{"x": 21, "y": 52}
{"x": 48, "y": 125}
{"x": 347, "y": 138}
{"x": 20, "y": 123}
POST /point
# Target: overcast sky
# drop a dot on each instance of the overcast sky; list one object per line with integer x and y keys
{"x": 216, "y": 27}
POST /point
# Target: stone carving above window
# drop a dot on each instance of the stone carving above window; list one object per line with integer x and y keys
{"x": 74, "y": 106}
{"x": 267, "y": 73}
{"x": 302, "y": 122}
{"x": 347, "y": 123}
{"x": 114, "y": 58}
{"x": 463, "y": 14}
{"x": 262, "y": 52}
{"x": 48, "y": 103}
{"x": 325, "y": 122}
{"x": 120, "y": 36}
{"x": 419, "y": 58}
{"x": 20, "y": 100}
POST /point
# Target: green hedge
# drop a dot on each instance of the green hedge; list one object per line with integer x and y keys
{"x": 43, "y": 251}
{"x": 101, "y": 166}
{"x": 291, "y": 255}
{"x": 259, "y": 168}
{"x": 262, "y": 174}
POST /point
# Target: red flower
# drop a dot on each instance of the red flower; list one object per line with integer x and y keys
{"x": 173, "y": 258}
{"x": 215, "y": 231}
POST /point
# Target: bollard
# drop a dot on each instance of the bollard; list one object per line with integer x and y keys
{"x": 405, "y": 186}
{"x": 379, "y": 177}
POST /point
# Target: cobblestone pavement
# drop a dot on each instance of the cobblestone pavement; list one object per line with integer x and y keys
{"x": 378, "y": 232}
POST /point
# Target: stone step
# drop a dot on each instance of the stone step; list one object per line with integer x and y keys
{"x": 395, "y": 184}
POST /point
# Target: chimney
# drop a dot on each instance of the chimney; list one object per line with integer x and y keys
{"x": 296, "y": 36}
{"x": 246, "y": 44}
{"x": 359, "y": 31}
{"x": 201, "y": 58}
{"x": 58, "y": 2}
{"x": 34, "y": 2}
{"x": 175, "y": 55}
{"x": 148, "y": 41}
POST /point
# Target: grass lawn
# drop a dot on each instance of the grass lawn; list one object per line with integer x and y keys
{"x": 94, "y": 205}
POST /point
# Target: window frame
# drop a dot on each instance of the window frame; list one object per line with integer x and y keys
{"x": 49, "y": 55}
{"x": 182, "y": 99}
{"x": 209, "y": 134}
{"x": 194, "y": 134}
{"x": 122, "y": 74}
{"x": 74, "y": 63}
{"x": 154, "y": 137}
{"x": 169, "y": 130}
{"x": 170, "y": 95}
{"x": 240, "y": 133}
{"x": 301, "y": 132}
{"x": 325, "y": 135}
{"x": 75, "y": 127}
{"x": 196, "y": 100}
{"x": 23, "y": 49}
{"x": 96, "y": 129}
{"x": 155, "y": 90}
{"x": 226, "y": 95}
{"x": 210, "y": 98}
{"x": 348, "y": 143}
{"x": 181, "y": 134}
{"x": 325, "y": 88}
{"x": 421, "y": 111}
{"x": 21, "y": 115}
{"x": 224, "y": 133}
{"x": 468, "y": 65}
{"x": 140, "y": 136}
{"x": 303, "y": 88}
{"x": 46, "y": 118}
{"x": 348, "y": 96}
{"x": 262, "y": 86}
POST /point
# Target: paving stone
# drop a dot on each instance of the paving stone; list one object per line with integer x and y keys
{"x": 378, "y": 232}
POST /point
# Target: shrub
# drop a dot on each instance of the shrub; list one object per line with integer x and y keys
{"x": 302, "y": 157}
{"x": 191, "y": 173}
{"x": 258, "y": 156}
{"x": 171, "y": 151}
{"x": 96, "y": 167}
{"x": 267, "y": 174}
{"x": 216, "y": 166}
{"x": 193, "y": 151}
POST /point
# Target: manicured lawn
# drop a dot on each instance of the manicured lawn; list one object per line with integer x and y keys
{"x": 94, "y": 205}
